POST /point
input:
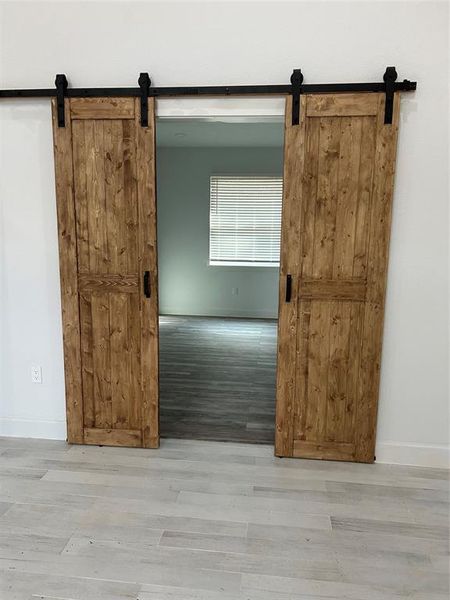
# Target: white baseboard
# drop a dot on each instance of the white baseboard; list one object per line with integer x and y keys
{"x": 30, "y": 428}
{"x": 419, "y": 455}
{"x": 218, "y": 312}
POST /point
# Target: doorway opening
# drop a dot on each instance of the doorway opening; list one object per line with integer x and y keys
{"x": 219, "y": 223}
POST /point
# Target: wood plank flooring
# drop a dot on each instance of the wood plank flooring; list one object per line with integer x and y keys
{"x": 217, "y": 378}
{"x": 216, "y": 521}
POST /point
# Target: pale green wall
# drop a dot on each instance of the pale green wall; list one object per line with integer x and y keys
{"x": 187, "y": 285}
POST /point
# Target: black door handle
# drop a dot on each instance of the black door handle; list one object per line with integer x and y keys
{"x": 288, "y": 287}
{"x": 147, "y": 284}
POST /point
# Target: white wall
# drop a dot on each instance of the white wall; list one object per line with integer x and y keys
{"x": 218, "y": 43}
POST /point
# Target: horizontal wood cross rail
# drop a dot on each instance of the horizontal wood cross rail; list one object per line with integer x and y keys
{"x": 105, "y": 283}
{"x": 333, "y": 289}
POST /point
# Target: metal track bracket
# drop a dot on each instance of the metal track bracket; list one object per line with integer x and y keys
{"x": 389, "y": 77}
{"x": 61, "y": 84}
{"x": 296, "y": 82}
{"x": 144, "y": 83}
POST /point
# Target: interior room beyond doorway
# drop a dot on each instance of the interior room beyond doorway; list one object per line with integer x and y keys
{"x": 219, "y": 210}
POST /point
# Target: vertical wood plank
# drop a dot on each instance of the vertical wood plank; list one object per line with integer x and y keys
{"x": 101, "y": 355}
{"x": 87, "y": 364}
{"x": 301, "y": 398}
{"x": 338, "y": 371}
{"x": 96, "y": 190}
{"x": 353, "y": 367}
{"x": 365, "y": 178}
{"x": 311, "y": 168}
{"x": 62, "y": 140}
{"x": 116, "y": 208}
{"x": 326, "y": 203}
{"x": 130, "y": 193}
{"x": 120, "y": 372}
{"x": 110, "y": 161}
{"x": 378, "y": 251}
{"x": 347, "y": 197}
{"x": 146, "y": 197}
{"x": 134, "y": 363}
{"x": 318, "y": 352}
{"x": 289, "y": 264}
{"x": 120, "y": 211}
{"x": 90, "y": 202}
{"x": 81, "y": 200}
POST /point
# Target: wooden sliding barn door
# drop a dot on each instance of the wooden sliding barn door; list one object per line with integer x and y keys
{"x": 338, "y": 181}
{"x": 105, "y": 190}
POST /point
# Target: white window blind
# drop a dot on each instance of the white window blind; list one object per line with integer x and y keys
{"x": 245, "y": 220}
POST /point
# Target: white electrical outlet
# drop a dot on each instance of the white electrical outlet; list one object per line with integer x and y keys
{"x": 36, "y": 374}
{"x": 235, "y": 291}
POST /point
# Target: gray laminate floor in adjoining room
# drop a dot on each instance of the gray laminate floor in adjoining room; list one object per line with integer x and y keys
{"x": 216, "y": 521}
{"x": 217, "y": 378}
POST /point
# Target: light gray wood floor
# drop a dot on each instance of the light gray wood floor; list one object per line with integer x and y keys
{"x": 217, "y": 378}
{"x": 215, "y": 521}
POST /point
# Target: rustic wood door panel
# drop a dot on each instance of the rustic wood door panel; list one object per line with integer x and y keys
{"x": 339, "y": 166}
{"x": 105, "y": 178}
{"x": 106, "y": 196}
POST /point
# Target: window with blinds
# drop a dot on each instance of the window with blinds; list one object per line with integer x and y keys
{"x": 245, "y": 220}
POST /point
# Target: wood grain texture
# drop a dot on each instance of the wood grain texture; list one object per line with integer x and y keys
{"x": 113, "y": 437}
{"x": 87, "y": 360}
{"x": 326, "y": 202}
{"x": 121, "y": 398}
{"x": 294, "y": 151}
{"x": 316, "y": 399}
{"x": 377, "y": 264}
{"x": 80, "y": 133}
{"x": 108, "y": 283}
{"x": 148, "y": 261}
{"x": 366, "y": 170}
{"x": 324, "y": 450}
{"x": 342, "y": 105}
{"x": 339, "y": 207}
{"x": 108, "y": 219}
{"x": 347, "y": 197}
{"x": 102, "y": 108}
{"x": 101, "y": 357}
{"x": 67, "y": 238}
{"x": 337, "y": 289}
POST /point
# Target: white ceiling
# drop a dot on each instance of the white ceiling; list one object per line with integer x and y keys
{"x": 219, "y": 132}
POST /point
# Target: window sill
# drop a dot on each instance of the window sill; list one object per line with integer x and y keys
{"x": 231, "y": 263}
